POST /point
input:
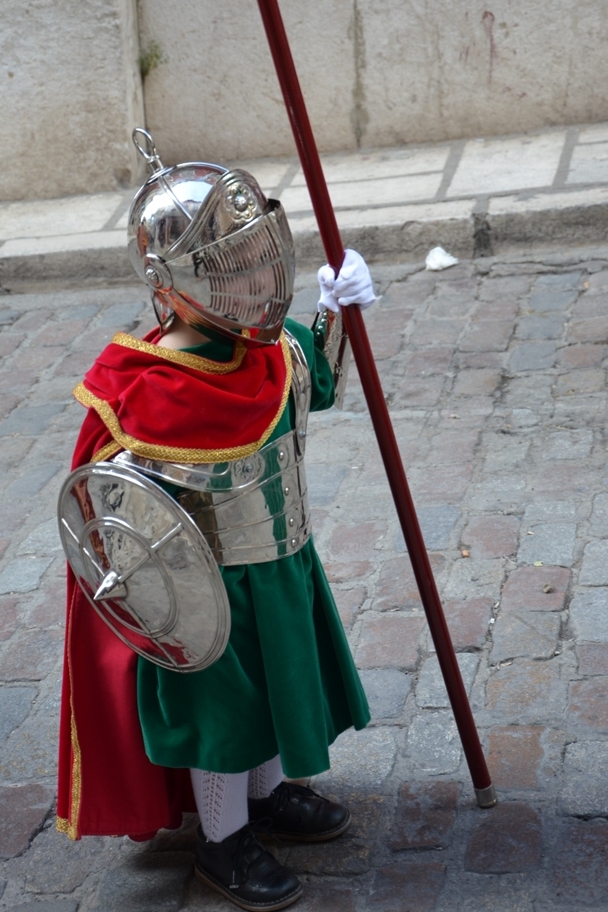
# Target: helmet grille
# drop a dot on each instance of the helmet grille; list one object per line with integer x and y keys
{"x": 250, "y": 278}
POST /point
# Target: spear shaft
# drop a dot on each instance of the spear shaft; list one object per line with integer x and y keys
{"x": 370, "y": 381}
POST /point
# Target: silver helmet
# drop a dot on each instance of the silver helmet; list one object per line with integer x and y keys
{"x": 211, "y": 247}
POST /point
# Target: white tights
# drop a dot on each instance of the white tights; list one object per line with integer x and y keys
{"x": 221, "y": 798}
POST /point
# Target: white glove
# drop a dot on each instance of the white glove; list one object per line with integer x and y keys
{"x": 352, "y": 285}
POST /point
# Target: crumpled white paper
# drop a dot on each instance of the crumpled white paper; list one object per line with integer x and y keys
{"x": 438, "y": 258}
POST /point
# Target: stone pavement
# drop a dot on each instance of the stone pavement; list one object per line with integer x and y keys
{"x": 495, "y": 375}
{"x": 475, "y": 197}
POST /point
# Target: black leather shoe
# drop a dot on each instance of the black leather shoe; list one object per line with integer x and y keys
{"x": 296, "y": 812}
{"x": 243, "y": 871}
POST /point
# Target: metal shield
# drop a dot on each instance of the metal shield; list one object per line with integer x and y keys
{"x": 144, "y": 566}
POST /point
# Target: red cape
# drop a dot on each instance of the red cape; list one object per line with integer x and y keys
{"x": 141, "y": 396}
{"x": 176, "y": 406}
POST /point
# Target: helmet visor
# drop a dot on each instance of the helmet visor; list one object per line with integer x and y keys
{"x": 242, "y": 281}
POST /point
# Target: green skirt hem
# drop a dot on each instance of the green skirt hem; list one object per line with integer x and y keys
{"x": 286, "y": 684}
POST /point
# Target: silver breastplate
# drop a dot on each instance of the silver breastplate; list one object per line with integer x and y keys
{"x": 254, "y": 509}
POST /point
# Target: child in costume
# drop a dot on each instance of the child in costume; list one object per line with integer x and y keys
{"x": 221, "y": 390}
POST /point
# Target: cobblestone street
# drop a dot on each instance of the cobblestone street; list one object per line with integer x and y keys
{"x": 495, "y": 375}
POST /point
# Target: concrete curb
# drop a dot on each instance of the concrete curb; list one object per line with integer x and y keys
{"x": 89, "y": 262}
{"x": 478, "y": 234}
{"x": 573, "y": 226}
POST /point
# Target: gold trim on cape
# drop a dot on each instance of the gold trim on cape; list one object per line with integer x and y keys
{"x": 110, "y": 449}
{"x": 70, "y": 826}
{"x": 187, "y": 359}
{"x": 182, "y": 454}
{"x": 76, "y": 780}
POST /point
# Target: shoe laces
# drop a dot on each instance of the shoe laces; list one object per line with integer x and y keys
{"x": 287, "y": 791}
{"x": 240, "y": 859}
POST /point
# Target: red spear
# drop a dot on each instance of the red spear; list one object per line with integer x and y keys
{"x": 330, "y": 235}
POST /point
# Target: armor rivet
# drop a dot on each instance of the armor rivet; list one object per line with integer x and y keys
{"x": 152, "y": 276}
{"x": 291, "y": 521}
{"x": 248, "y": 468}
{"x": 293, "y": 542}
{"x": 286, "y": 489}
{"x": 302, "y": 433}
{"x": 240, "y": 202}
{"x": 281, "y": 455}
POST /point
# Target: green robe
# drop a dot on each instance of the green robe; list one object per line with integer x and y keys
{"x": 287, "y": 683}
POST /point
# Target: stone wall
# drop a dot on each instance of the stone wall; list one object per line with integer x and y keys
{"x": 373, "y": 72}
{"x": 70, "y": 93}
